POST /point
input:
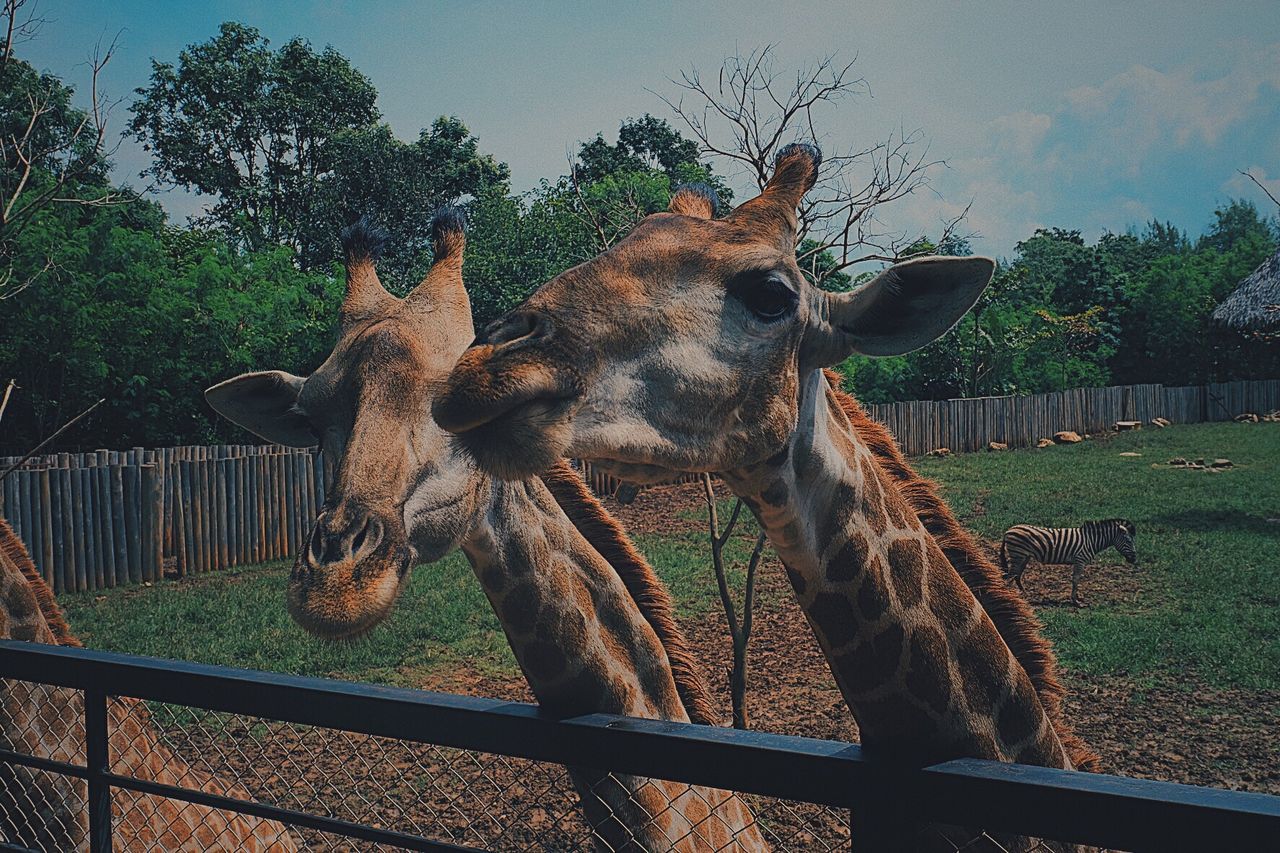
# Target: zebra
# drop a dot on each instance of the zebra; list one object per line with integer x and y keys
{"x": 1059, "y": 545}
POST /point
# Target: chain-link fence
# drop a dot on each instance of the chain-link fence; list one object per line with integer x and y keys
{"x": 289, "y": 764}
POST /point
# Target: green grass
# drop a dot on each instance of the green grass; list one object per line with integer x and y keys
{"x": 1209, "y": 573}
{"x": 239, "y": 619}
{"x": 1208, "y": 560}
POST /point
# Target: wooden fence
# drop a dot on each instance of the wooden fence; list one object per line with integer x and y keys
{"x": 970, "y": 424}
{"x": 108, "y": 518}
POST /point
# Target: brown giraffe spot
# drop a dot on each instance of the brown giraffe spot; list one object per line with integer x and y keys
{"x": 19, "y": 601}
{"x": 798, "y": 583}
{"x": 982, "y": 745}
{"x": 834, "y": 617}
{"x": 872, "y": 498}
{"x": 1047, "y": 750}
{"x": 950, "y": 601}
{"x": 776, "y": 494}
{"x": 928, "y": 678}
{"x": 493, "y": 578}
{"x": 584, "y": 692}
{"x": 906, "y": 567}
{"x": 983, "y": 661}
{"x": 520, "y": 609}
{"x": 543, "y": 661}
{"x": 873, "y": 662}
{"x": 848, "y": 561}
{"x": 528, "y": 552}
{"x": 842, "y": 504}
{"x": 895, "y": 719}
{"x": 873, "y": 598}
{"x": 1020, "y": 716}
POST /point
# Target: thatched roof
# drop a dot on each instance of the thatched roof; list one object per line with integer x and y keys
{"x": 1254, "y": 306}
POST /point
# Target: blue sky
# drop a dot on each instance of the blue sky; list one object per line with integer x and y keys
{"x": 1091, "y": 115}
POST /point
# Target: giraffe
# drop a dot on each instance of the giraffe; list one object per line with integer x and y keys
{"x": 45, "y": 811}
{"x": 695, "y": 344}
{"x": 589, "y": 621}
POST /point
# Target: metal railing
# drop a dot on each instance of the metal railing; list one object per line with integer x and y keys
{"x": 887, "y": 801}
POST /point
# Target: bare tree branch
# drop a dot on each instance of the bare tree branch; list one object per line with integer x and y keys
{"x": 1250, "y": 176}
{"x": 18, "y": 27}
{"x": 67, "y": 159}
{"x": 751, "y": 112}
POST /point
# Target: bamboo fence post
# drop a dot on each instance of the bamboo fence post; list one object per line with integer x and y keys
{"x": 47, "y": 522}
{"x": 242, "y": 527}
{"x": 155, "y": 496}
{"x": 224, "y": 514}
{"x": 79, "y": 522}
{"x": 119, "y": 530}
{"x": 148, "y": 531}
{"x": 188, "y": 517}
{"x": 254, "y": 497}
{"x": 93, "y": 505}
{"x": 71, "y": 554}
{"x": 290, "y": 502}
{"x": 264, "y": 521}
{"x": 277, "y": 491}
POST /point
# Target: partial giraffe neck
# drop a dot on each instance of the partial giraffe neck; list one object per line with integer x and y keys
{"x": 44, "y": 810}
{"x": 918, "y": 660}
{"x": 585, "y": 646}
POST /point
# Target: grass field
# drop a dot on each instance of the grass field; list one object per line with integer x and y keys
{"x": 1205, "y": 597}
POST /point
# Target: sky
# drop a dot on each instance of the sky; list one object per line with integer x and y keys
{"x": 1091, "y": 115}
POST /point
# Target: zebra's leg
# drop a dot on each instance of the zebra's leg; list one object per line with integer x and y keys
{"x": 1077, "y": 569}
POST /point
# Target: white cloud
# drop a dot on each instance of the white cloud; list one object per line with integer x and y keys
{"x": 1115, "y": 153}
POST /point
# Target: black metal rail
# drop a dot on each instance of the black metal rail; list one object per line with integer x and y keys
{"x": 1109, "y": 811}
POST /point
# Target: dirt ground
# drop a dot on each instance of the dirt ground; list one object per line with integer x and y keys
{"x": 1180, "y": 730}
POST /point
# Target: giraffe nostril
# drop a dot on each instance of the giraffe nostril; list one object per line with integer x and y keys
{"x": 367, "y": 537}
{"x": 315, "y": 546}
{"x": 518, "y": 327}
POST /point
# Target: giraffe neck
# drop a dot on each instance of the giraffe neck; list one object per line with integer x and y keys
{"x": 918, "y": 660}
{"x": 585, "y": 647}
{"x": 579, "y": 638}
{"x": 41, "y": 809}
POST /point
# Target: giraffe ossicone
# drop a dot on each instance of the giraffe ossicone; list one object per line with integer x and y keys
{"x": 589, "y": 622}
{"x": 696, "y": 344}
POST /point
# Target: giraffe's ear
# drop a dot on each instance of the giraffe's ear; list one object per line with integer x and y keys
{"x": 903, "y": 308}
{"x": 697, "y": 200}
{"x": 266, "y": 404}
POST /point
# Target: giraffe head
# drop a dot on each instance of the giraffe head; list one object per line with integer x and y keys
{"x": 401, "y": 494}
{"x": 683, "y": 346}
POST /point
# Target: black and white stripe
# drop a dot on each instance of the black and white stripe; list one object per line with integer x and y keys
{"x": 1062, "y": 545}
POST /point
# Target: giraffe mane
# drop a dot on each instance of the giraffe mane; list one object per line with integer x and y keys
{"x": 14, "y": 550}
{"x": 651, "y": 596}
{"x": 1021, "y": 631}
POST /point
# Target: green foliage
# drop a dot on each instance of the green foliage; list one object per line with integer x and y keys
{"x": 1065, "y": 314}
{"x": 148, "y": 316}
{"x": 289, "y": 144}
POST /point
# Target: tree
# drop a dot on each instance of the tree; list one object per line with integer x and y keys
{"x": 51, "y": 153}
{"x": 611, "y": 187}
{"x": 752, "y": 111}
{"x": 253, "y": 127}
{"x": 739, "y": 629}
{"x": 399, "y": 185}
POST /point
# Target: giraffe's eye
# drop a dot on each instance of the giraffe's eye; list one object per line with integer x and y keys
{"x": 768, "y": 297}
